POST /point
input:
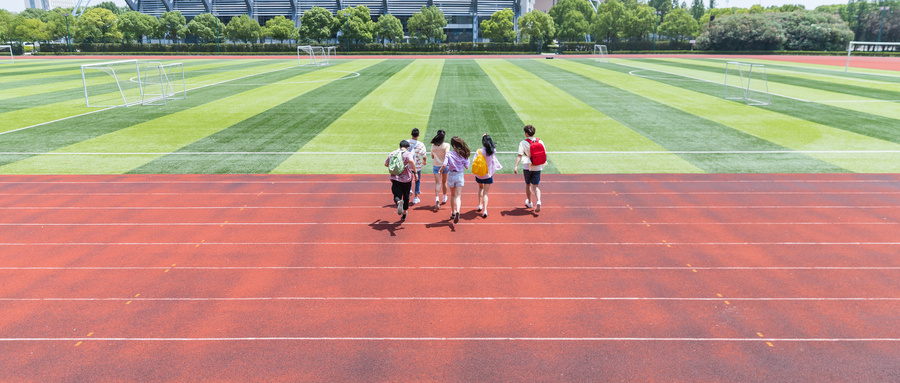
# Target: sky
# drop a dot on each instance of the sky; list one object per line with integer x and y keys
{"x": 19, "y": 5}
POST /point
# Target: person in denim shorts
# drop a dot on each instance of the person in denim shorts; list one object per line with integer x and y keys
{"x": 456, "y": 161}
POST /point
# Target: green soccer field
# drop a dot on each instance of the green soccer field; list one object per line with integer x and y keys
{"x": 649, "y": 115}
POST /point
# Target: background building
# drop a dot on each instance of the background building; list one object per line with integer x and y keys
{"x": 49, "y": 4}
{"x": 463, "y": 15}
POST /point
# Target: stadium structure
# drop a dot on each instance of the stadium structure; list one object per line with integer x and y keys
{"x": 464, "y": 15}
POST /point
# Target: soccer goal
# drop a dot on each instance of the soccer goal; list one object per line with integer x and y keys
{"x": 132, "y": 82}
{"x": 868, "y": 46}
{"x": 753, "y": 88}
{"x": 330, "y": 51}
{"x": 316, "y": 55}
{"x": 601, "y": 54}
{"x": 6, "y": 55}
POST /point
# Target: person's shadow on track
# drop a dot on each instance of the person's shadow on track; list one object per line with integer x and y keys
{"x": 519, "y": 212}
{"x": 390, "y": 227}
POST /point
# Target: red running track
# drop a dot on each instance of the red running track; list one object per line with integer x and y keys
{"x": 313, "y": 278}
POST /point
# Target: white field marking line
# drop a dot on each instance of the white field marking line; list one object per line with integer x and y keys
{"x": 854, "y": 101}
{"x": 656, "y": 244}
{"x": 279, "y": 182}
{"x": 860, "y": 207}
{"x": 251, "y": 299}
{"x": 451, "y": 339}
{"x": 640, "y": 152}
{"x": 701, "y": 79}
{"x": 610, "y": 193}
{"x": 79, "y": 224}
{"x": 502, "y": 268}
{"x": 105, "y": 109}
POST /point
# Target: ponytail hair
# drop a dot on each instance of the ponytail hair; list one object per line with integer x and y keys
{"x": 459, "y": 146}
{"x": 489, "y": 146}
{"x": 438, "y": 138}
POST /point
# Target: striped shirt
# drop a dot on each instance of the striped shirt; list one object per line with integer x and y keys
{"x": 417, "y": 148}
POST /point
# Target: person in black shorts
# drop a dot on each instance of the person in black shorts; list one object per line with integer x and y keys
{"x": 532, "y": 172}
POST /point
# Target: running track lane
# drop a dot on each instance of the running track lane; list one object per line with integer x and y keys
{"x": 779, "y": 277}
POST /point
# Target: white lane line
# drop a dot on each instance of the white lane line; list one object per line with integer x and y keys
{"x": 407, "y": 223}
{"x": 578, "y": 207}
{"x": 356, "y": 244}
{"x": 250, "y": 299}
{"x": 280, "y": 181}
{"x": 454, "y": 339}
{"x": 610, "y": 193}
{"x": 490, "y": 268}
{"x": 587, "y": 152}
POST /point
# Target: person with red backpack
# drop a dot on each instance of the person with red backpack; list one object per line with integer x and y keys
{"x": 533, "y": 156}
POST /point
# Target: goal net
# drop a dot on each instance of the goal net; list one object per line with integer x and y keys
{"x": 601, "y": 54}
{"x": 132, "y": 82}
{"x": 748, "y": 83}
{"x": 868, "y": 46}
{"x": 311, "y": 55}
{"x": 6, "y": 55}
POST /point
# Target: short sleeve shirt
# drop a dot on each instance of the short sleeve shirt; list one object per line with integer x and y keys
{"x": 418, "y": 148}
{"x": 407, "y": 174}
{"x": 525, "y": 152}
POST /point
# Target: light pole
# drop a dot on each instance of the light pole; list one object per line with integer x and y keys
{"x": 347, "y": 23}
{"x": 68, "y": 39}
{"x": 217, "y": 34}
{"x": 883, "y": 9}
{"x": 656, "y": 32}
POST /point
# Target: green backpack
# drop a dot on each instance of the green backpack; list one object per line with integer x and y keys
{"x": 395, "y": 164}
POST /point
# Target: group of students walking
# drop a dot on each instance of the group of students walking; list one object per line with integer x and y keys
{"x": 450, "y": 160}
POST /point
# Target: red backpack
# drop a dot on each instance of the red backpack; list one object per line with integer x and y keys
{"x": 538, "y": 154}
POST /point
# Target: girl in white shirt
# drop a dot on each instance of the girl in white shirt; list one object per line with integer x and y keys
{"x": 439, "y": 150}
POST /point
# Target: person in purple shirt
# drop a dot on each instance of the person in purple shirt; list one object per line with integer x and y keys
{"x": 402, "y": 183}
{"x": 456, "y": 161}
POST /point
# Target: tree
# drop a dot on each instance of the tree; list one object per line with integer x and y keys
{"x": 98, "y": 24}
{"x": 172, "y": 25}
{"x": 316, "y": 24}
{"x": 499, "y": 27}
{"x": 243, "y": 28}
{"x": 388, "y": 27}
{"x": 6, "y": 19}
{"x": 755, "y": 9}
{"x": 697, "y": 9}
{"x": 536, "y": 26}
{"x": 135, "y": 25}
{"x": 664, "y": 6}
{"x": 678, "y": 25}
{"x": 30, "y": 30}
{"x": 280, "y": 28}
{"x": 204, "y": 26}
{"x": 428, "y": 24}
{"x": 355, "y": 22}
{"x": 610, "y": 20}
{"x": 56, "y": 23}
{"x": 33, "y": 13}
{"x": 572, "y": 19}
{"x": 712, "y": 4}
{"x": 112, "y": 7}
{"x": 642, "y": 21}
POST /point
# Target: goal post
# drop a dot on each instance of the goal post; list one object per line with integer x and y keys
{"x": 753, "y": 85}
{"x": 6, "y": 54}
{"x": 132, "y": 82}
{"x": 315, "y": 54}
{"x": 868, "y": 46}
{"x": 601, "y": 54}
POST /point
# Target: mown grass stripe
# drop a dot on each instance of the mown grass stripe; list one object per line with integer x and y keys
{"x": 799, "y": 69}
{"x": 568, "y": 124}
{"x": 384, "y": 117}
{"x": 468, "y": 105}
{"x": 27, "y": 67}
{"x": 877, "y": 109}
{"x": 288, "y": 126}
{"x": 788, "y": 123}
{"x": 70, "y": 77}
{"x": 98, "y": 83}
{"x": 831, "y": 86}
{"x": 50, "y": 112}
{"x": 672, "y": 128}
{"x": 171, "y": 131}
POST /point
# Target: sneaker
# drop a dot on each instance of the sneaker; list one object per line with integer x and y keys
{"x": 400, "y": 208}
{"x": 437, "y": 203}
{"x": 445, "y": 199}
{"x": 484, "y": 215}
{"x": 403, "y": 217}
{"x": 456, "y": 218}
{"x": 480, "y": 208}
{"x": 416, "y": 200}
{"x": 527, "y": 203}
{"x": 537, "y": 207}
